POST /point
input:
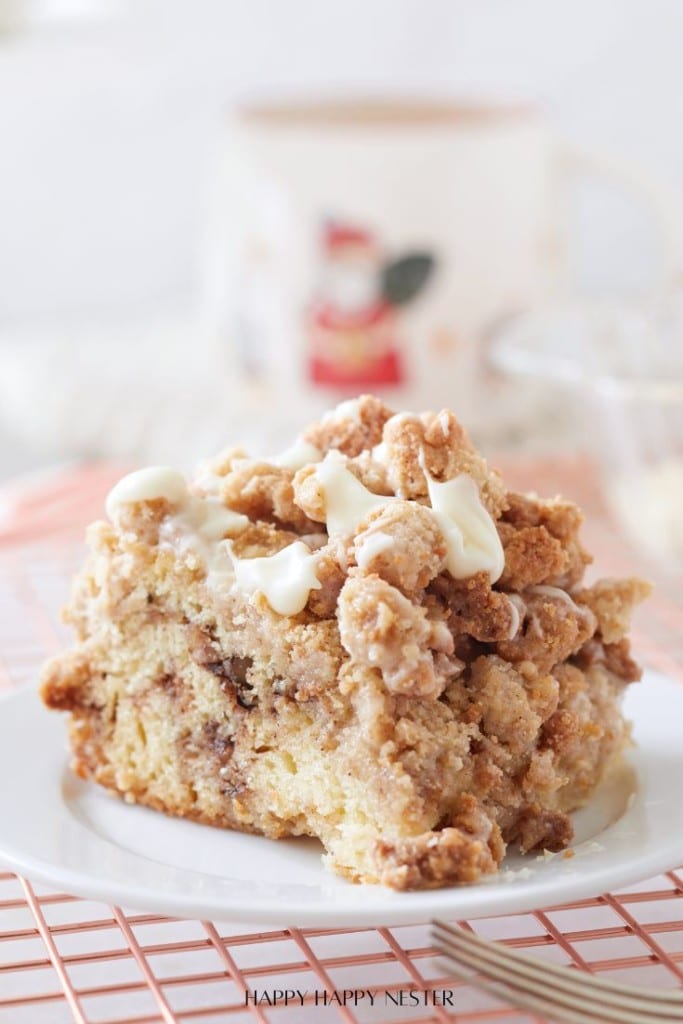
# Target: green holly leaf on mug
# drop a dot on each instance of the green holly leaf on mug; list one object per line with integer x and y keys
{"x": 403, "y": 278}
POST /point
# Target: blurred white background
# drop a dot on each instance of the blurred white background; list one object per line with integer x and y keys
{"x": 110, "y": 114}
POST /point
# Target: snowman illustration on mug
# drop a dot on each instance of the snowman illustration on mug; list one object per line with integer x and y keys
{"x": 353, "y": 322}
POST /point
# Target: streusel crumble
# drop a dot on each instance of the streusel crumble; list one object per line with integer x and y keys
{"x": 367, "y": 639}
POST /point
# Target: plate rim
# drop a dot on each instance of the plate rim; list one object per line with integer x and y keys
{"x": 404, "y": 908}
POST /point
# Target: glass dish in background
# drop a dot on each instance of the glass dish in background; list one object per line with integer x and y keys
{"x": 622, "y": 370}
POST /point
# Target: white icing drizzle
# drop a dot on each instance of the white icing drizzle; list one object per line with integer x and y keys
{"x": 534, "y": 627}
{"x": 514, "y": 625}
{"x": 348, "y": 410}
{"x": 285, "y": 579}
{"x": 380, "y": 453}
{"x": 208, "y": 483}
{"x": 469, "y": 531}
{"x": 371, "y": 545}
{"x": 199, "y": 524}
{"x": 347, "y": 500}
{"x": 519, "y": 612}
{"x": 149, "y": 484}
{"x": 196, "y": 532}
{"x": 300, "y": 454}
{"x": 545, "y": 590}
{"x": 444, "y": 423}
{"x": 519, "y": 603}
{"x": 206, "y": 519}
{"x": 196, "y": 524}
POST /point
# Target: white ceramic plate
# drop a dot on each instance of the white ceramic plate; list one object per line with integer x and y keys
{"x": 75, "y": 836}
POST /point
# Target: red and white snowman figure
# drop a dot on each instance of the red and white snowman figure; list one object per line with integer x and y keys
{"x": 354, "y": 341}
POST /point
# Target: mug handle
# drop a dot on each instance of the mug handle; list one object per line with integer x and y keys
{"x": 661, "y": 201}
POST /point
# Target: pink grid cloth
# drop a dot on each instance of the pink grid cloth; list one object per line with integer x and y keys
{"x": 64, "y": 959}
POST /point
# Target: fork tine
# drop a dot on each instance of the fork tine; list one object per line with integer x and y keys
{"x": 564, "y": 990}
{"x": 542, "y": 994}
{"x": 522, "y": 999}
{"x": 668, "y": 1003}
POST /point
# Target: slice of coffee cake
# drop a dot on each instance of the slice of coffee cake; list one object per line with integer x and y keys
{"x": 366, "y": 639}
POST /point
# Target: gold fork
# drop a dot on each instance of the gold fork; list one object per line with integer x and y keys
{"x": 562, "y": 994}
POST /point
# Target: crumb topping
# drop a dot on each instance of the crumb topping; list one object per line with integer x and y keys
{"x": 302, "y": 486}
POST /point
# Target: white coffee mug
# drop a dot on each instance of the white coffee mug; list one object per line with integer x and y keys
{"x": 372, "y": 247}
